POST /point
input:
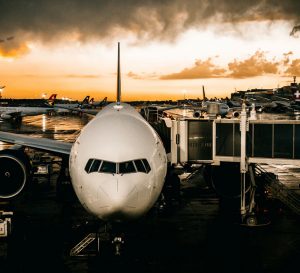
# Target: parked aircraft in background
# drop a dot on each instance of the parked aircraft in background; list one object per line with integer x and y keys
{"x": 95, "y": 104}
{"x": 71, "y": 106}
{"x": 16, "y": 113}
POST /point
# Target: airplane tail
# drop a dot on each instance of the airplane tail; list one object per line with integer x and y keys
{"x": 204, "y": 99}
{"x": 203, "y": 93}
{"x": 52, "y": 99}
{"x": 103, "y": 102}
{"x": 92, "y": 100}
{"x": 119, "y": 78}
{"x": 86, "y": 100}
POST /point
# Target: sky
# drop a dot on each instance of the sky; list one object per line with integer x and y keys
{"x": 169, "y": 49}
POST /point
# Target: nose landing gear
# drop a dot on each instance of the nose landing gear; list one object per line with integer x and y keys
{"x": 117, "y": 242}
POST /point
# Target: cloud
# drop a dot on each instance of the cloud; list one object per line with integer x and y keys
{"x": 14, "y": 49}
{"x": 256, "y": 65}
{"x": 201, "y": 70}
{"x": 253, "y": 66}
{"x": 142, "y": 76}
{"x": 293, "y": 69}
{"x": 71, "y": 76}
{"x": 84, "y": 76}
{"x": 295, "y": 31}
{"x": 50, "y": 21}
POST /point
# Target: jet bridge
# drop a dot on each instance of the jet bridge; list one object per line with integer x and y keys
{"x": 243, "y": 140}
{"x": 219, "y": 140}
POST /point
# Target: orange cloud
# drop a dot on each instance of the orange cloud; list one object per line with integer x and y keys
{"x": 142, "y": 76}
{"x": 201, "y": 70}
{"x": 294, "y": 68}
{"x": 256, "y": 65}
{"x": 13, "y": 51}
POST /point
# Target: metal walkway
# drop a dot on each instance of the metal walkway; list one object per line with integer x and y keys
{"x": 75, "y": 251}
{"x": 278, "y": 190}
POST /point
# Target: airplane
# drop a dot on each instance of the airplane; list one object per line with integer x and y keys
{"x": 16, "y": 113}
{"x": 218, "y": 108}
{"x": 117, "y": 164}
{"x": 71, "y": 106}
{"x": 95, "y": 104}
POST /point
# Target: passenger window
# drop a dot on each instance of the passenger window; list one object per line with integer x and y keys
{"x": 140, "y": 166}
{"x": 126, "y": 167}
{"x": 147, "y": 166}
{"x": 95, "y": 166}
{"x": 88, "y": 165}
{"x": 108, "y": 167}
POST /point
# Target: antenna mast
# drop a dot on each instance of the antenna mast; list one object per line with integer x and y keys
{"x": 119, "y": 78}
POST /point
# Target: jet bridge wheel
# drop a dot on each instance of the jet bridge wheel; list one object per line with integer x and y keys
{"x": 251, "y": 220}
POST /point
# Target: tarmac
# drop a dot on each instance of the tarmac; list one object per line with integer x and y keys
{"x": 196, "y": 233}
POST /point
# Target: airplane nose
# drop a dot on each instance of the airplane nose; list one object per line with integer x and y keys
{"x": 118, "y": 196}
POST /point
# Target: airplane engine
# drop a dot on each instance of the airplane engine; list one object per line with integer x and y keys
{"x": 14, "y": 172}
{"x": 5, "y": 116}
{"x": 197, "y": 114}
{"x": 235, "y": 114}
{"x": 226, "y": 180}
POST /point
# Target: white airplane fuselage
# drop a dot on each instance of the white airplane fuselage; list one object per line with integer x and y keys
{"x": 9, "y": 112}
{"x": 116, "y": 135}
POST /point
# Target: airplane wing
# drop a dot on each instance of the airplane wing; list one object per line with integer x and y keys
{"x": 44, "y": 144}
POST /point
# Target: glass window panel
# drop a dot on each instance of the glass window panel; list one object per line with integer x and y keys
{"x": 95, "y": 166}
{"x": 283, "y": 141}
{"x": 140, "y": 166}
{"x": 108, "y": 167}
{"x": 146, "y": 164}
{"x": 263, "y": 140}
{"x": 126, "y": 167}
{"x": 225, "y": 139}
{"x": 88, "y": 165}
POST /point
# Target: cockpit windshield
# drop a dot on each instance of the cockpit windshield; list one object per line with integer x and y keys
{"x": 103, "y": 166}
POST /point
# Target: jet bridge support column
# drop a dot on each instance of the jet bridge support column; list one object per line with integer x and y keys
{"x": 244, "y": 127}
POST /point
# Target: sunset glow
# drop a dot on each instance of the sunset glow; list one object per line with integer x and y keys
{"x": 223, "y": 56}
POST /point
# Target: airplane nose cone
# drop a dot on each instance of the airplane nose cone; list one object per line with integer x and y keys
{"x": 118, "y": 198}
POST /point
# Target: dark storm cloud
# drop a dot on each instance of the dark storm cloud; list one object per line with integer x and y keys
{"x": 53, "y": 20}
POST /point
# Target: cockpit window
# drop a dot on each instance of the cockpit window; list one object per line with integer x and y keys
{"x": 140, "y": 166}
{"x": 126, "y": 167}
{"x": 88, "y": 165}
{"x": 95, "y": 166}
{"x": 132, "y": 166}
{"x": 108, "y": 167}
{"x": 147, "y": 166}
